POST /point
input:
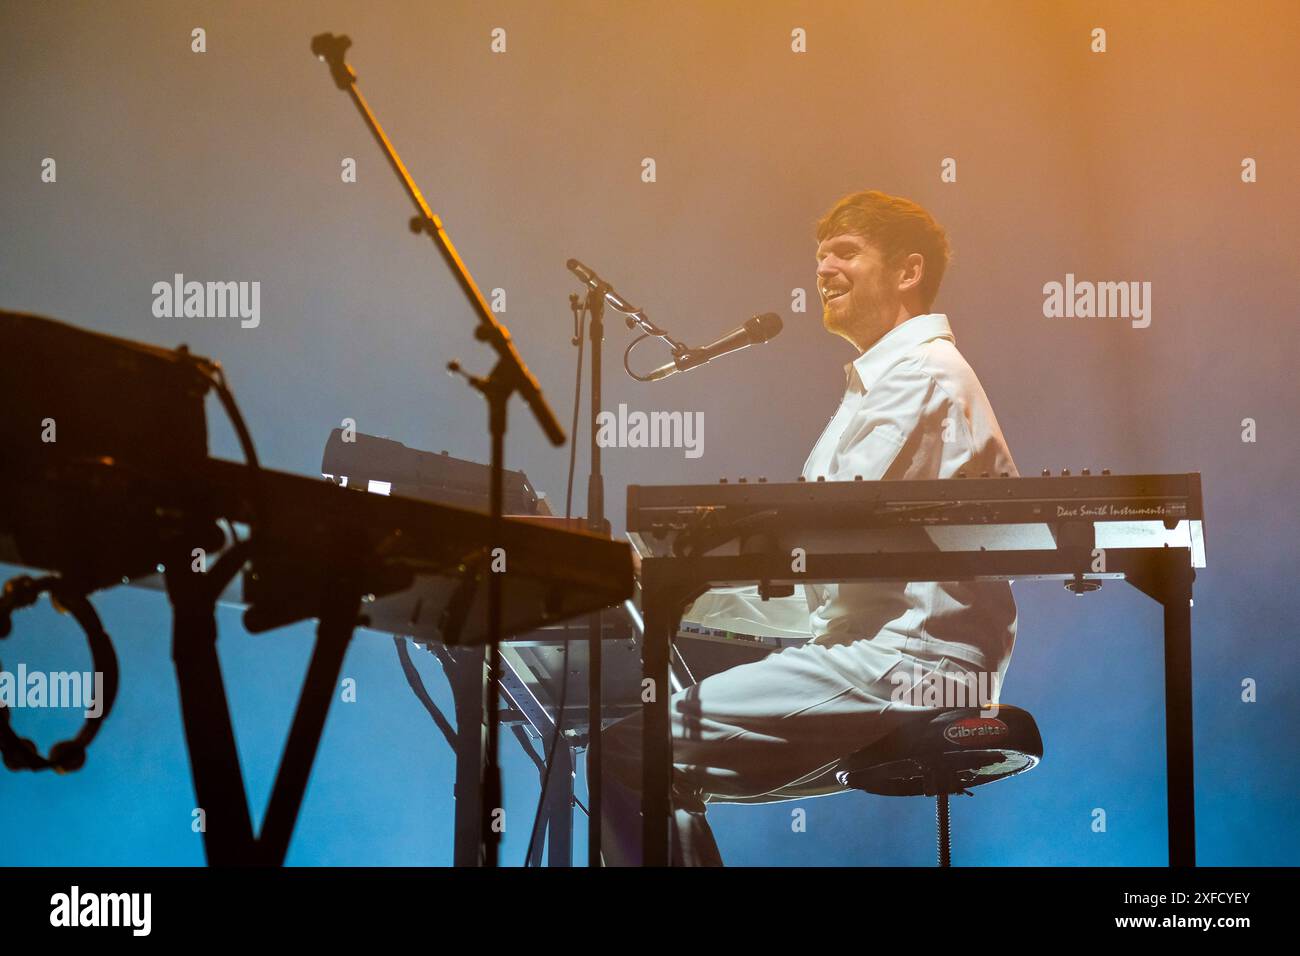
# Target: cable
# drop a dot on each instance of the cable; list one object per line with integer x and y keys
{"x": 218, "y": 378}
{"x": 580, "y": 316}
{"x": 215, "y": 374}
{"x": 550, "y": 754}
{"x": 627, "y": 354}
{"x": 422, "y": 694}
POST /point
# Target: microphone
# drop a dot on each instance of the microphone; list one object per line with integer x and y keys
{"x": 594, "y": 282}
{"x": 756, "y": 330}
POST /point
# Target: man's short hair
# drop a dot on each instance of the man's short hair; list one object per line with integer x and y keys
{"x": 898, "y": 227}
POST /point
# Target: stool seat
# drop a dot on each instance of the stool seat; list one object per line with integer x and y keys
{"x": 940, "y": 752}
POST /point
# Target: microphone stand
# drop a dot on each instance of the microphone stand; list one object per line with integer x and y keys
{"x": 598, "y": 293}
{"x": 508, "y": 375}
{"x": 597, "y": 523}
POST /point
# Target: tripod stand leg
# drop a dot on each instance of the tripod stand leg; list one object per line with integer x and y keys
{"x": 464, "y": 667}
{"x": 332, "y": 638}
{"x": 209, "y": 736}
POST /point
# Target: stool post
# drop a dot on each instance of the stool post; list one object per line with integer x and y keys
{"x": 945, "y": 831}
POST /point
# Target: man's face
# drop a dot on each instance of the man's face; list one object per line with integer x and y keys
{"x": 859, "y": 301}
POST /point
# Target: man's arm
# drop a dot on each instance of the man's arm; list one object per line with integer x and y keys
{"x": 907, "y": 427}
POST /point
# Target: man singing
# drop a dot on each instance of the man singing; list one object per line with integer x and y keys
{"x": 912, "y": 409}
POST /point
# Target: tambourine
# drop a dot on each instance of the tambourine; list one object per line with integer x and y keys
{"x": 20, "y": 753}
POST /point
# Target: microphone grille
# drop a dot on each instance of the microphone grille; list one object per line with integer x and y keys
{"x": 763, "y": 327}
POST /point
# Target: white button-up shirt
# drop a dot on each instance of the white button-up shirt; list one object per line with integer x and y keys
{"x": 913, "y": 409}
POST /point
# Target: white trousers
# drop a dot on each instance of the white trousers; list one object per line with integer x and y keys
{"x": 771, "y": 730}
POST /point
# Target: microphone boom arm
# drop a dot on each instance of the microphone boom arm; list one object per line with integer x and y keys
{"x": 510, "y": 370}
{"x": 508, "y": 375}
{"x": 634, "y": 317}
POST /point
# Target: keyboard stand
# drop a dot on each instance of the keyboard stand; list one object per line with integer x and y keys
{"x": 1163, "y": 574}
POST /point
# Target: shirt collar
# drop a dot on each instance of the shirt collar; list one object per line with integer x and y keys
{"x": 895, "y": 343}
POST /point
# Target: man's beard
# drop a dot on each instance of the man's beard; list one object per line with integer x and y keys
{"x": 853, "y": 320}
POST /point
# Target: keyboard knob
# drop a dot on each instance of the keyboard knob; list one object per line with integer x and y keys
{"x": 1004, "y": 474}
{"x": 984, "y": 474}
{"x": 762, "y": 480}
{"x": 1085, "y": 472}
{"x": 821, "y": 477}
{"x": 1047, "y": 473}
{"x": 1105, "y": 471}
{"x": 722, "y": 481}
{"x": 1065, "y": 472}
